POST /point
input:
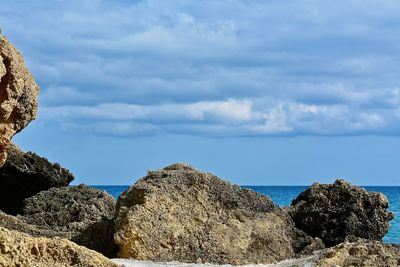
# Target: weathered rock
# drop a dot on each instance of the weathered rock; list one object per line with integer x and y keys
{"x": 19, "y": 249}
{"x": 81, "y": 214}
{"x": 18, "y": 95}
{"x": 26, "y": 174}
{"x": 360, "y": 254}
{"x": 180, "y": 214}
{"x": 334, "y": 211}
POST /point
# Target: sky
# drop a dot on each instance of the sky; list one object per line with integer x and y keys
{"x": 258, "y": 92}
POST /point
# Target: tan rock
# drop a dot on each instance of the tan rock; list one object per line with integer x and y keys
{"x": 18, "y": 95}
{"x": 181, "y": 214}
{"x": 361, "y": 254}
{"x": 18, "y": 249}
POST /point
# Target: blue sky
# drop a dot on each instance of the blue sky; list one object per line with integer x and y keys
{"x": 258, "y": 92}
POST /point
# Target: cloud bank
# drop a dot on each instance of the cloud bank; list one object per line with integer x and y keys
{"x": 213, "y": 68}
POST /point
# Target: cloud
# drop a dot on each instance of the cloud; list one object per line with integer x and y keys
{"x": 219, "y": 118}
{"x": 217, "y": 68}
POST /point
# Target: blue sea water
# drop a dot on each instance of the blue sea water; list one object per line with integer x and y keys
{"x": 283, "y": 195}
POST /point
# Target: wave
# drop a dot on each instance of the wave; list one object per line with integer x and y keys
{"x": 305, "y": 262}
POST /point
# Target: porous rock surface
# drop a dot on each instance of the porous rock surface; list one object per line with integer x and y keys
{"x": 181, "y": 214}
{"x": 26, "y": 174}
{"x": 361, "y": 254}
{"x": 333, "y": 212}
{"x": 22, "y": 250}
{"x": 81, "y": 214}
{"x": 18, "y": 95}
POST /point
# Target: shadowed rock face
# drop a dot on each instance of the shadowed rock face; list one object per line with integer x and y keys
{"x": 334, "y": 211}
{"x": 19, "y": 249}
{"x": 26, "y": 174}
{"x": 82, "y": 214}
{"x": 18, "y": 95}
{"x": 181, "y": 214}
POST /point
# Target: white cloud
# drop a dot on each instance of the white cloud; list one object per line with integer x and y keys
{"x": 212, "y": 67}
{"x": 220, "y": 118}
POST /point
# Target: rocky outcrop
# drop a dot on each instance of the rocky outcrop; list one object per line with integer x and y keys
{"x": 81, "y": 214}
{"x": 181, "y": 214}
{"x": 361, "y": 254}
{"x": 26, "y": 174}
{"x": 18, "y": 95}
{"x": 334, "y": 211}
{"x": 18, "y": 249}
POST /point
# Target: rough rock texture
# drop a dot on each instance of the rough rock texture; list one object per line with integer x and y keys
{"x": 18, "y": 249}
{"x": 18, "y": 95}
{"x": 334, "y": 211}
{"x": 82, "y": 214}
{"x": 180, "y": 214}
{"x": 13, "y": 223}
{"x": 26, "y": 174}
{"x": 363, "y": 253}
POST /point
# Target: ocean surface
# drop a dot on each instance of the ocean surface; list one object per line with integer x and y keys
{"x": 283, "y": 195}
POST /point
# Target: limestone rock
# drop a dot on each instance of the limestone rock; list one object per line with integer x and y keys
{"x": 18, "y": 249}
{"x": 181, "y": 214}
{"x": 361, "y": 254}
{"x": 18, "y": 95}
{"x": 334, "y": 211}
{"x": 26, "y": 174}
{"x": 82, "y": 214}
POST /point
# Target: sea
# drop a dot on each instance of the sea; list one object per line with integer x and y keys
{"x": 281, "y": 195}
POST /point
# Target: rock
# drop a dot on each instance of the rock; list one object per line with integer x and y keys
{"x": 18, "y": 249}
{"x": 334, "y": 211}
{"x": 362, "y": 253}
{"x": 18, "y": 95}
{"x": 81, "y": 214}
{"x": 26, "y": 174}
{"x": 181, "y": 214}
{"x": 13, "y": 223}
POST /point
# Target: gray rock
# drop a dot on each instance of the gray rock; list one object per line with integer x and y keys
{"x": 81, "y": 214}
{"x": 26, "y": 174}
{"x": 333, "y": 212}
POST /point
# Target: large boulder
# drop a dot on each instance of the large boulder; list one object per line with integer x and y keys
{"x": 26, "y": 174}
{"x": 181, "y": 214}
{"x": 361, "y": 254}
{"x": 81, "y": 214}
{"x": 19, "y": 249}
{"x": 334, "y": 211}
{"x": 18, "y": 95}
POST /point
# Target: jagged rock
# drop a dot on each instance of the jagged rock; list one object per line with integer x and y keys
{"x": 334, "y": 211}
{"x": 181, "y": 214}
{"x": 82, "y": 214}
{"x": 361, "y": 254}
{"x": 18, "y": 95}
{"x": 19, "y": 249}
{"x": 26, "y": 174}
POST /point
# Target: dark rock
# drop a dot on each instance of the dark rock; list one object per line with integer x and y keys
{"x": 81, "y": 214}
{"x": 181, "y": 214}
{"x": 26, "y": 174}
{"x": 333, "y": 212}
